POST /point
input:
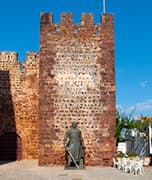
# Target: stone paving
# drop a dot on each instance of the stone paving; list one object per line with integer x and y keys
{"x": 29, "y": 170}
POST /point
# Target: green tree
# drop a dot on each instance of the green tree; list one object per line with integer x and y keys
{"x": 124, "y": 121}
{"x": 121, "y": 121}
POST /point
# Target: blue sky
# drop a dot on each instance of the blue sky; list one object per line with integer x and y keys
{"x": 19, "y": 31}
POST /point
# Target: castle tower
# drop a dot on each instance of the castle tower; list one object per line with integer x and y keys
{"x": 77, "y": 83}
{"x": 19, "y": 106}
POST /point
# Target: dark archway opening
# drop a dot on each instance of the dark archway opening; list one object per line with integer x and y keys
{"x": 10, "y": 147}
{"x": 10, "y": 142}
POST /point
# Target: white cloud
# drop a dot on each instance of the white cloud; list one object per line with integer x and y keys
{"x": 143, "y": 84}
{"x": 138, "y": 108}
{"x": 146, "y": 105}
{"x": 131, "y": 109}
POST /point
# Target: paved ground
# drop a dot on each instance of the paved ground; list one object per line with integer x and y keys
{"x": 29, "y": 170}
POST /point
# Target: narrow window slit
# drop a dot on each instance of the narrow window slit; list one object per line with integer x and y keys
{"x": 55, "y": 29}
{"x": 76, "y": 30}
{"x": 21, "y": 67}
{"x": 97, "y": 31}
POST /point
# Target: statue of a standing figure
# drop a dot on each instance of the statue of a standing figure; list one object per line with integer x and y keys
{"x": 74, "y": 145}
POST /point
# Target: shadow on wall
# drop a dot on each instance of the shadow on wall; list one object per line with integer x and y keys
{"x": 10, "y": 142}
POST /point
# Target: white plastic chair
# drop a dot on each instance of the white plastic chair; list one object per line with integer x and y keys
{"x": 119, "y": 163}
{"x": 138, "y": 168}
{"x": 115, "y": 163}
{"x": 124, "y": 164}
{"x": 130, "y": 166}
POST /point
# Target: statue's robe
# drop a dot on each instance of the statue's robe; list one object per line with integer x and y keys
{"x": 74, "y": 144}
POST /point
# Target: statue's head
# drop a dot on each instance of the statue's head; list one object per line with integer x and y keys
{"x": 74, "y": 124}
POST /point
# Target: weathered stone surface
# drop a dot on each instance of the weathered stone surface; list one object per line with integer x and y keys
{"x": 19, "y": 99}
{"x": 72, "y": 80}
{"x": 77, "y": 83}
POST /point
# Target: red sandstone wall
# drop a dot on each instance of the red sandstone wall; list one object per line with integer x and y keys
{"x": 19, "y": 99}
{"x": 77, "y": 83}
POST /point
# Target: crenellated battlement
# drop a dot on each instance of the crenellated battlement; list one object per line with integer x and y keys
{"x": 32, "y": 56}
{"x": 12, "y": 56}
{"x": 67, "y": 19}
{"x": 66, "y": 27}
{"x": 9, "y": 62}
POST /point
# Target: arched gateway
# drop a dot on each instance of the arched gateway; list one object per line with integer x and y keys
{"x": 10, "y": 147}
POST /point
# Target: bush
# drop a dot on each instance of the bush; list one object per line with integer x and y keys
{"x": 132, "y": 154}
{"x": 121, "y": 155}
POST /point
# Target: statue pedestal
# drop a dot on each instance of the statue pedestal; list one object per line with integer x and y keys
{"x": 74, "y": 168}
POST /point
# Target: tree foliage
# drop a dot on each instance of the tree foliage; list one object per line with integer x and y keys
{"x": 124, "y": 121}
